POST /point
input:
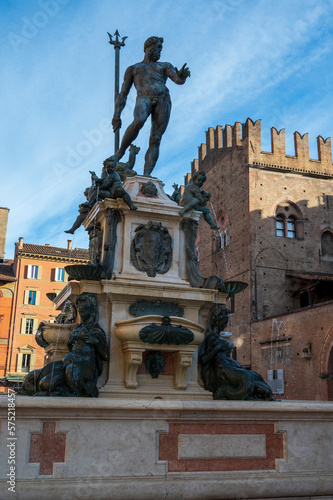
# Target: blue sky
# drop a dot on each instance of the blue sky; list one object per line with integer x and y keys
{"x": 263, "y": 59}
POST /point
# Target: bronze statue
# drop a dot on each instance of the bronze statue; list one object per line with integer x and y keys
{"x": 221, "y": 374}
{"x": 194, "y": 198}
{"x": 84, "y": 209}
{"x": 77, "y": 373}
{"x": 109, "y": 186}
{"x": 149, "y": 78}
{"x": 176, "y": 193}
{"x": 126, "y": 169}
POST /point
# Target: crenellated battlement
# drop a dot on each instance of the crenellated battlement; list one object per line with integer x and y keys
{"x": 247, "y": 137}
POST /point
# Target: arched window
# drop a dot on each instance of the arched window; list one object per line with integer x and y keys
{"x": 289, "y": 221}
{"x": 327, "y": 244}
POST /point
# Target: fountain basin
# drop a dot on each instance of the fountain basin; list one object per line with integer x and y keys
{"x": 232, "y": 287}
{"x": 128, "y": 330}
{"x": 80, "y": 272}
{"x": 56, "y": 335}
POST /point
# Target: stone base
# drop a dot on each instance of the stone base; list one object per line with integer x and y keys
{"x": 152, "y": 389}
{"x": 127, "y": 449}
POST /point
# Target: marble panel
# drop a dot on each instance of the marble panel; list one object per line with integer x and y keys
{"x": 192, "y": 446}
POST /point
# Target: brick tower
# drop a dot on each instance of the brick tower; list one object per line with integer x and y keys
{"x": 3, "y": 230}
{"x": 275, "y": 212}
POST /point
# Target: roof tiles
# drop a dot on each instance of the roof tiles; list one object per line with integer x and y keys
{"x": 74, "y": 253}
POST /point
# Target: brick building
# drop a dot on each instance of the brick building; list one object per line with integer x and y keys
{"x": 275, "y": 212}
{"x": 39, "y": 270}
{"x": 7, "y": 287}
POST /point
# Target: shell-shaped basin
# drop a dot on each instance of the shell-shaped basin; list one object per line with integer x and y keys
{"x": 56, "y": 332}
{"x": 128, "y": 330}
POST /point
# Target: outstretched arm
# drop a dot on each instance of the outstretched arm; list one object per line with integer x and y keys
{"x": 177, "y": 76}
{"x": 122, "y": 97}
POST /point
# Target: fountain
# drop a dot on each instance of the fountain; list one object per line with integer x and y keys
{"x": 123, "y": 408}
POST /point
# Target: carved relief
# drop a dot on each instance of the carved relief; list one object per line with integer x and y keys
{"x": 151, "y": 249}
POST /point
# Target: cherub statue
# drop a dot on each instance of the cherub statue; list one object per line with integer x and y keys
{"x": 84, "y": 209}
{"x": 109, "y": 186}
{"x": 126, "y": 169}
{"x": 194, "y": 198}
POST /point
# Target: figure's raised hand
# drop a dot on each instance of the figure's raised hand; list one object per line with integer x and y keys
{"x": 183, "y": 72}
{"x": 116, "y": 123}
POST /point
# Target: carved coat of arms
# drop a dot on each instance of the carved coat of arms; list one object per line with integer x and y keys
{"x": 151, "y": 249}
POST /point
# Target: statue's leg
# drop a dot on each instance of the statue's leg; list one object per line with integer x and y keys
{"x": 189, "y": 205}
{"x": 128, "y": 201}
{"x": 142, "y": 110}
{"x": 70, "y": 378}
{"x": 30, "y": 383}
{"x": 208, "y": 218}
{"x": 160, "y": 118}
{"x": 80, "y": 218}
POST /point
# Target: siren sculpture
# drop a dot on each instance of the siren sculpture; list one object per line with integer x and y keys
{"x": 77, "y": 373}
{"x": 221, "y": 374}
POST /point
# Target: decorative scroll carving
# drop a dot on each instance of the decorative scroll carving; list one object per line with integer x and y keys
{"x": 183, "y": 360}
{"x": 190, "y": 227}
{"x": 95, "y": 243}
{"x": 114, "y": 218}
{"x": 133, "y": 359}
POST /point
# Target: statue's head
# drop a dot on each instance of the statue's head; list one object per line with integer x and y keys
{"x": 110, "y": 165}
{"x": 87, "y": 307}
{"x": 153, "y": 47}
{"x": 199, "y": 178}
{"x": 218, "y": 318}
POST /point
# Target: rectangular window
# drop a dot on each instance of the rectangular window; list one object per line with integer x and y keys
{"x": 279, "y": 227}
{"x": 26, "y": 358}
{"x": 59, "y": 274}
{"x": 291, "y": 229}
{"x": 32, "y": 297}
{"x": 34, "y": 272}
{"x": 29, "y": 326}
{"x": 276, "y": 381}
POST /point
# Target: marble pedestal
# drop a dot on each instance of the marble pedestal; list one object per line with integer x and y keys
{"x": 77, "y": 448}
{"x": 126, "y": 284}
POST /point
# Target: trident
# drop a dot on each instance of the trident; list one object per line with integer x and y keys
{"x": 117, "y": 45}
